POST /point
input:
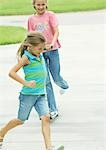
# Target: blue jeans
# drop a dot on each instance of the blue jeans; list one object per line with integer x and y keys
{"x": 53, "y": 67}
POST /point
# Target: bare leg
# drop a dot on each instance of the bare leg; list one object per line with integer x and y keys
{"x": 46, "y": 131}
{"x": 11, "y": 124}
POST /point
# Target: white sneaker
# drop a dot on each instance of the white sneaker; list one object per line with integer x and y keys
{"x": 58, "y": 148}
{"x": 62, "y": 91}
{"x": 53, "y": 114}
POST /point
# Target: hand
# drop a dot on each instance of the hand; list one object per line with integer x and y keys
{"x": 49, "y": 46}
{"x": 30, "y": 84}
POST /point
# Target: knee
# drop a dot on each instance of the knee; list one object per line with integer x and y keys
{"x": 18, "y": 121}
{"x": 45, "y": 119}
{"x": 56, "y": 80}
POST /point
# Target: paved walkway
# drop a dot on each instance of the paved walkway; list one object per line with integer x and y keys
{"x": 78, "y": 18}
{"x": 82, "y": 121}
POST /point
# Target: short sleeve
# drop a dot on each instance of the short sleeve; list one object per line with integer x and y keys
{"x": 30, "y": 24}
{"x": 53, "y": 19}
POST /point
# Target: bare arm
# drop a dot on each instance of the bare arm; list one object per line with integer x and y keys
{"x": 13, "y": 72}
{"x": 56, "y": 34}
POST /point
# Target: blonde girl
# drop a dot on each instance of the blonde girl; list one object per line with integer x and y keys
{"x": 33, "y": 93}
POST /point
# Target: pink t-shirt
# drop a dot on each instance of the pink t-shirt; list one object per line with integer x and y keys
{"x": 44, "y": 24}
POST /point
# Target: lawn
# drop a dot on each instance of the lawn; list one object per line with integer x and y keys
{"x": 23, "y": 7}
{"x": 11, "y": 35}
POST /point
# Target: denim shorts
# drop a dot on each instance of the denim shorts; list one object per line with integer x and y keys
{"x": 27, "y": 102}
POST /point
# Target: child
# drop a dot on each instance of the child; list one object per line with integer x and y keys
{"x": 46, "y": 22}
{"x": 33, "y": 91}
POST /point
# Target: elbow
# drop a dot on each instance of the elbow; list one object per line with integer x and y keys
{"x": 10, "y": 74}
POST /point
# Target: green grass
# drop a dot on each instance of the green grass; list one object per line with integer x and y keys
{"x": 11, "y": 35}
{"x": 76, "y": 5}
{"x": 23, "y": 7}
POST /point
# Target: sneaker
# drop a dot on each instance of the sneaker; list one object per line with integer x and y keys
{"x": 62, "y": 91}
{"x": 58, "y": 148}
{"x": 53, "y": 114}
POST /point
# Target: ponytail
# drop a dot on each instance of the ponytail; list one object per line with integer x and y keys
{"x": 21, "y": 49}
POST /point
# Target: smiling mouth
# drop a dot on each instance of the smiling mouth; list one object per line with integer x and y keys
{"x": 41, "y": 9}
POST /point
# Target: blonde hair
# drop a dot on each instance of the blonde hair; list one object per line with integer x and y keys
{"x": 34, "y": 1}
{"x": 33, "y": 38}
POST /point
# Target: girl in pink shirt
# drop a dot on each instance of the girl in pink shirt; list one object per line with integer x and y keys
{"x": 45, "y": 22}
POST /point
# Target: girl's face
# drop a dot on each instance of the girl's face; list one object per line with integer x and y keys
{"x": 36, "y": 50}
{"x": 40, "y": 6}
